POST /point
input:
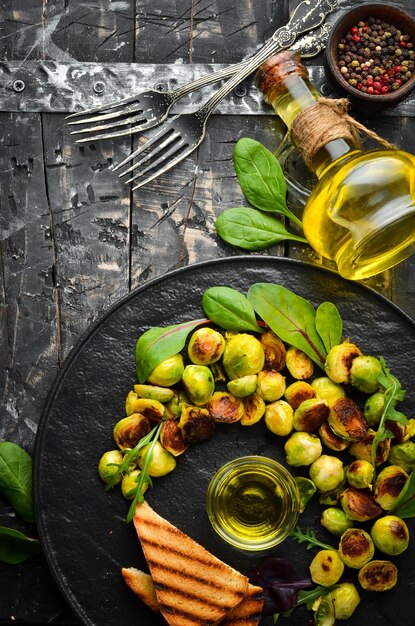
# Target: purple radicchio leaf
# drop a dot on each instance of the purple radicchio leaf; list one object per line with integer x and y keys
{"x": 280, "y": 583}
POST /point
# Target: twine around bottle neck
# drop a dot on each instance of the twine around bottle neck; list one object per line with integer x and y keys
{"x": 325, "y": 121}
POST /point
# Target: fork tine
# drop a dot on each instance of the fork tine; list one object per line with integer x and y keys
{"x": 102, "y": 107}
{"x": 98, "y": 127}
{"x": 162, "y": 170}
{"x": 109, "y": 116}
{"x": 157, "y": 135}
{"x": 177, "y": 148}
{"x": 169, "y": 140}
{"x": 153, "y": 121}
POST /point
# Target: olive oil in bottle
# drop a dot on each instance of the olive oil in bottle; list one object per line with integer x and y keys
{"x": 361, "y": 212}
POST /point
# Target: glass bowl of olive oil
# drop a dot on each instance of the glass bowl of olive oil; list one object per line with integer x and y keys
{"x": 253, "y": 502}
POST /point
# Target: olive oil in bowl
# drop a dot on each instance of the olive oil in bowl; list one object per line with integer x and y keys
{"x": 253, "y": 502}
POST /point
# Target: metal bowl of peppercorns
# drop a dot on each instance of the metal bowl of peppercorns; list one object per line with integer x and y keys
{"x": 371, "y": 53}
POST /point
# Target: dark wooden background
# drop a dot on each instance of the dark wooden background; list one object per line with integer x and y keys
{"x": 74, "y": 239}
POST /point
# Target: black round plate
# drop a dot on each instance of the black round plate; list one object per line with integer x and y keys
{"x": 83, "y": 528}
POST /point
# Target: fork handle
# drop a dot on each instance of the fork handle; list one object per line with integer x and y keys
{"x": 304, "y": 18}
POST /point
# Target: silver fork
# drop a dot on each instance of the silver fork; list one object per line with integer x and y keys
{"x": 180, "y": 137}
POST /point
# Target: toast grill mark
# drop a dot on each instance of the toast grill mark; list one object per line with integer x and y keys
{"x": 178, "y": 591}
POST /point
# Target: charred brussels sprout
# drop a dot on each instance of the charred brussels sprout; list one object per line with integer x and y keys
{"x": 171, "y": 437}
{"x": 364, "y": 373}
{"x": 299, "y": 364}
{"x": 326, "y": 568}
{"x": 173, "y": 408}
{"x": 270, "y": 385}
{"x": 162, "y": 462}
{"x": 152, "y": 392}
{"x": 130, "y": 401}
{"x": 224, "y": 407}
{"x": 274, "y": 351}
{"x": 129, "y": 484}
{"x": 168, "y": 372}
{"x": 243, "y": 355}
{"x": 107, "y": 466}
{"x": 326, "y": 389}
{"x": 297, "y": 392}
{"x": 390, "y": 535}
{"x": 389, "y": 484}
{"x": 359, "y": 505}
{"x": 332, "y": 441}
{"x": 243, "y": 387}
{"x": 360, "y": 474}
{"x": 279, "y": 418}
{"x": 335, "y": 520}
{"x": 347, "y": 420}
{"x": 310, "y": 415}
{"x": 356, "y": 548}
{"x": 346, "y": 599}
{"x": 254, "y": 409}
{"x": 198, "y": 383}
{"x": 403, "y": 454}
{"x": 378, "y": 576}
{"x": 327, "y": 472}
{"x": 339, "y": 361}
{"x": 302, "y": 449}
{"x": 363, "y": 449}
{"x": 128, "y": 431}
{"x": 152, "y": 409}
{"x": 196, "y": 424}
{"x": 206, "y": 346}
{"x": 373, "y": 408}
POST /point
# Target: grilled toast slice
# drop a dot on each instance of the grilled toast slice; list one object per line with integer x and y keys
{"x": 193, "y": 587}
{"x": 247, "y": 613}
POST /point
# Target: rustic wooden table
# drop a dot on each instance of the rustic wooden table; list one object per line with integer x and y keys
{"x": 74, "y": 239}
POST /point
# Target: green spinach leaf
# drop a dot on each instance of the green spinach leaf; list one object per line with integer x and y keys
{"x": 158, "y": 344}
{"x": 16, "y": 479}
{"x": 252, "y": 230}
{"x": 329, "y": 324}
{"x": 290, "y": 316}
{"x": 261, "y": 177}
{"x": 229, "y": 309}
{"x": 15, "y": 547}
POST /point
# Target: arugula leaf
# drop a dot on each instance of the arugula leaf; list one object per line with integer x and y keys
{"x": 308, "y": 598}
{"x": 16, "y": 479}
{"x": 252, "y": 230}
{"x": 229, "y": 309}
{"x": 329, "y": 324}
{"x": 261, "y": 177}
{"x": 15, "y": 547}
{"x": 158, "y": 344}
{"x": 290, "y": 316}
{"x": 309, "y": 536}
{"x": 144, "y": 477}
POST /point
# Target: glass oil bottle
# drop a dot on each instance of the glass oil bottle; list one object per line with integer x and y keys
{"x": 361, "y": 212}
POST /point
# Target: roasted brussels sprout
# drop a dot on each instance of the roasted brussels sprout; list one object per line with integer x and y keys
{"x": 346, "y": 599}
{"x": 129, "y": 484}
{"x": 270, "y": 385}
{"x": 198, "y": 383}
{"x": 378, "y": 576}
{"x": 244, "y": 386}
{"x": 330, "y": 439}
{"x": 243, "y": 355}
{"x": 347, "y": 420}
{"x": 205, "y": 346}
{"x": 171, "y": 437}
{"x": 397, "y": 430}
{"x": 224, "y": 407}
{"x": 302, "y": 449}
{"x": 389, "y": 484}
{"x": 152, "y": 409}
{"x": 196, "y": 424}
{"x": 107, "y": 466}
{"x": 152, "y": 392}
{"x": 363, "y": 449}
{"x": 279, "y": 418}
{"x": 128, "y": 431}
{"x": 306, "y": 489}
{"x": 331, "y": 498}
{"x": 339, "y": 361}
{"x": 299, "y": 364}
{"x": 310, "y": 415}
{"x": 326, "y": 389}
{"x": 359, "y": 505}
{"x": 168, "y": 372}
{"x": 254, "y": 409}
{"x": 297, "y": 392}
{"x": 335, "y": 520}
{"x": 360, "y": 474}
{"x": 173, "y": 408}
{"x": 403, "y": 454}
{"x": 356, "y": 548}
{"x": 326, "y": 568}
{"x": 327, "y": 472}
{"x": 364, "y": 373}
{"x": 390, "y": 535}
{"x": 324, "y": 611}
{"x": 373, "y": 409}
{"x": 162, "y": 462}
{"x": 274, "y": 351}
{"x": 409, "y": 429}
